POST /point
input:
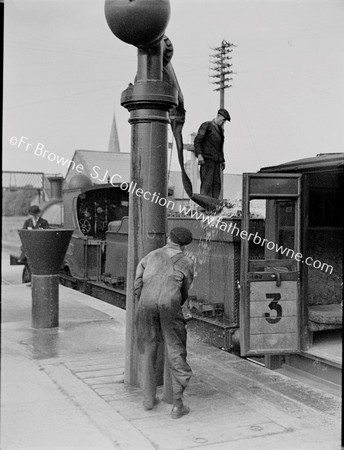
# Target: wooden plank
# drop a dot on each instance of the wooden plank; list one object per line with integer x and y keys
{"x": 260, "y": 289}
{"x": 285, "y": 325}
{"x": 273, "y": 343}
{"x": 258, "y": 309}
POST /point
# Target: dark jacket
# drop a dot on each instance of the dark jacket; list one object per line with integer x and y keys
{"x": 41, "y": 223}
{"x": 209, "y": 142}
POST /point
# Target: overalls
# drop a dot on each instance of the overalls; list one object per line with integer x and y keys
{"x": 160, "y": 316}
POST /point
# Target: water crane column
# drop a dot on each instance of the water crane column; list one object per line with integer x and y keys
{"x": 142, "y": 23}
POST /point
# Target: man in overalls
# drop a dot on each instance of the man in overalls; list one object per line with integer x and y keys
{"x": 163, "y": 279}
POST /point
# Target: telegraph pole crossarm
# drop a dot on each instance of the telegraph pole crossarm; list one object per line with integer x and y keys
{"x": 222, "y": 68}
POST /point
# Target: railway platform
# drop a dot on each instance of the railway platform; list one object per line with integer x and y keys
{"x": 62, "y": 388}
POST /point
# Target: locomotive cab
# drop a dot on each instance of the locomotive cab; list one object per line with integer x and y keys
{"x": 90, "y": 210}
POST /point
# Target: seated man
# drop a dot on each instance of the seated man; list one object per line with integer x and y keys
{"x": 120, "y": 211}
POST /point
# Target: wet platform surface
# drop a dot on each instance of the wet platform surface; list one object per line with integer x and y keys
{"x": 63, "y": 388}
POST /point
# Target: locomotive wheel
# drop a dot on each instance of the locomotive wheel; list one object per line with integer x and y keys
{"x": 85, "y": 225}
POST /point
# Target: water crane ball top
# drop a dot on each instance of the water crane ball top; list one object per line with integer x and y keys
{"x": 138, "y": 22}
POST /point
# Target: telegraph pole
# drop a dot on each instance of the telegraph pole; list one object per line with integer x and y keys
{"x": 222, "y": 68}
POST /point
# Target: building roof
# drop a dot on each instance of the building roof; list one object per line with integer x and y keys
{"x": 99, "y": 166}
{"x": 323, "y": 161}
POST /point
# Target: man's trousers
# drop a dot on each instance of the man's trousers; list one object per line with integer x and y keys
{"x": 210, "y": 173}
{"x": 156, "y": 322}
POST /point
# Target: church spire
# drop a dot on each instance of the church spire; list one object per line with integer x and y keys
{"x": 114, "y": 141}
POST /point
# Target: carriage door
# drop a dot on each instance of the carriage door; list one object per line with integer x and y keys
{"x": 270, "y": 264}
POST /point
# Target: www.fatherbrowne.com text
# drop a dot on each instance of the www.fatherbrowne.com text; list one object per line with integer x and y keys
{"x": 231, "y": 227}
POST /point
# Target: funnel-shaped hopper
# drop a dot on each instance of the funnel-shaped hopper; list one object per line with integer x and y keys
{"x": 45, "y": 249}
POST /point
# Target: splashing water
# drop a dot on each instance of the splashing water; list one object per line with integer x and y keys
{"x": 210, "y": 231}
{"x": 211, "y": 222}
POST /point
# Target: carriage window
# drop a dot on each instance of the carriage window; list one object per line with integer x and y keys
{"x": 325, "y": 207}
{"x": 257, "y": 213}
{"x": 272, "y": 228}
{"x": 285, "y": 228}
{"x": 326, "y": 199}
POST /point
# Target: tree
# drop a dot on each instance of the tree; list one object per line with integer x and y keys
{"x": 17, "y": 202}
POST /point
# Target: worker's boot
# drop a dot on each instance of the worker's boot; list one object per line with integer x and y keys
{"x": 179, "y": 409}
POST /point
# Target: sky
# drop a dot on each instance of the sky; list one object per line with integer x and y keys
{"x": 64, "y": 72}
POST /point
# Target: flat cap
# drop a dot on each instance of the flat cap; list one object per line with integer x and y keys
{"x": 181, "y": 236}
{"x": 224, "y": 113}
